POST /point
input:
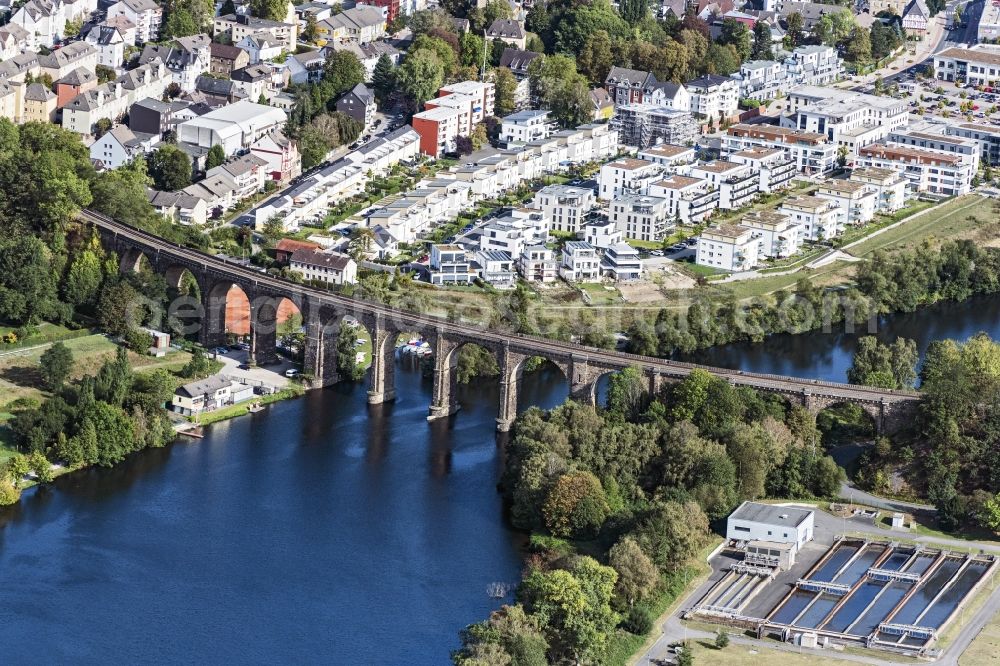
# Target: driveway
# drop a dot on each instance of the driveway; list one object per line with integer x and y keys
{"x": 271, "y": 375}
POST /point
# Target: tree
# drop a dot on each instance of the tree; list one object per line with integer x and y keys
{"x": 28, "y": 292}
{"x": 102, "y": 127}
{"x": 179, "y": 23}
{"x": 197, "y": 366}
{"x": 383, "y": 79}
{"x": 762, "y": 42}
{"x": 561, "y": 89}
{"x": 272, "y": 10}
{"x": 637, "y": 575}
{"x": 56, "y": 363}
{"x": 573, "y": 607}
{"x": 216, "y": 157}
{"x": 342, "y": 71}
{"x": 671, "y": 533}
{"x": 595, "y": 59}
{"x": 793, "y": 31}
{"x": 311, "y": 32}
{"x": 575, "y": 506}
{"x": 721, "y": 639}
{"x": 627, "y": 395}
{"x": 170, "y": 168}
{"x": 859, "y": 48}
{"x": 40, "y": 466}
{"x": 228, "y": 7}
{"x": 420, "y": 76}
{"x": 891, "y": 366}
{"x": 842, "y": 154}
{"x": 18, "y": 467}
{"x": 738, "y": 35}
{"x": 347, "y": 366}
{"x": 686, "y": 657}
{"x": 506, "y": 92}
{"x": 83, "y": 279}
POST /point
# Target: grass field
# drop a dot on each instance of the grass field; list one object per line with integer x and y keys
{"x": 965, "y": 217}
{"x": 985, "y": 649}
{"x": 743, "y": 655}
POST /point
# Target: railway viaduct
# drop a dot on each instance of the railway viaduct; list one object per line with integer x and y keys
{"x": 322, "y": 312}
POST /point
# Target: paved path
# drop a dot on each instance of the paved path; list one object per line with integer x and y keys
{"x": 905, "y": 220}
{"x": 848, "y": 491}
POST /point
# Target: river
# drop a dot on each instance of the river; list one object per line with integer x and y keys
{"x": 320, "y": 530}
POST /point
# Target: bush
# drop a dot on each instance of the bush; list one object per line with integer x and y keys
{"x": 640, "y": 620}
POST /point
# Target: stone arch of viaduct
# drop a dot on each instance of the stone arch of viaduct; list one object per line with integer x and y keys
{"x": 323, "y": 313}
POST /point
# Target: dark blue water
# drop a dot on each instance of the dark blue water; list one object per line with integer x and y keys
{"x": 946, "y": 605}
{"x": 791, "y": 608}
{"x": 854, "y": 606}
{"x": 819, "y": 610}
{"x": 921, "y": 564}
{"x": 318, "y": 531}
{"x": 828, "y": 355}
{"x": 856, "y": 569}
{"x": 916, "y": 605}
{"x": 892, "y": 595}
{"x": 838, "y": 559}
{"x": 895, "y": 561}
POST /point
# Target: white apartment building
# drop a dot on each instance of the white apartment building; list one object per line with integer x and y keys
{"x": 888, "y": 184}
{"x": 580, "y": 263}
{"x": 621, "y": 263}
{"x": 538, "y": 264}
{"x": 497, "y": 268}
{"x": 238, "y": 26}
{"x": 641, "y": 217}
{"x": 807, "y": 65}
{"x": 145, "y": 15}
{"x": 668, "y": 155}
{"x": 727, "y": 247}
{"x": 626, "y": 176}
{"x": 774, "y": 168}
{"x": 811, "y": 151}
{"x": 449, "y": 264}
{"x": 762, "y": 80}
{"x": 526, "y": 126}
{"x": 564, "y": 206}
{"x": 816, "y": 216}
{"x": 737, "y": 183}
{"x": 855, "y": 200}
{"x": 925, "y": 170}
{"x": 776, "y": 234}
{"x": 987, "y": 136}
{"x": 513, "y": 235}
{"x": 602, "y": 234}
{"x": 689, "y": 200}
{"x": 482, "y": 93}
{"x": 845, "y": 117}
{"x": 976, "y": 65}
{"x": 713, "y": 96}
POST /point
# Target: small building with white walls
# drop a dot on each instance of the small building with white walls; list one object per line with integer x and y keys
{"x": 754, "y": 521}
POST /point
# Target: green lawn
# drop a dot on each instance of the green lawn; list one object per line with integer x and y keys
{"x": 963, "y": 217}
{"x": 240, "y": 409}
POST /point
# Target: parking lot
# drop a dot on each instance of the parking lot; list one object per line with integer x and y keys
{"x": 236, "y": 365}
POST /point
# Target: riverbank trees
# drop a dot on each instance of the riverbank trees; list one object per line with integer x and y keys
{"x": 634, "y": 485}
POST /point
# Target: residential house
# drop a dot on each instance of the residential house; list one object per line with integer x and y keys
{"x": 916, "y": 18}
{"x": 538, "y": 264}
{"x": 627, "y": 86}
{"x": 727, "y": 247}
{"x": 689, "y": 200}
{"x": 113, "y": 99}
{"x": 668, "y": 155}
{"x": 602, "y": 234}
{"x": 329, "y": 267}
{"x": 714, "y": 97}
{"x": 737, "y": 183}
{"x": 626, "y": 176}
{"x": 855, "y": 200}
{"x": 508, "y": 31}
{"x": 621, "y": 263}
{"x": 152, "y": 116}
{"x": 775, "y": 170}
{"x": 602, "y": 106}
{"x": 119, "y": 146}
{"x": 187, "y": 58}
{"x": 925, "y": 169}
{"x": 359, "y": 104}
{"x": 78, "y": 81}
{"x": 845, "y": 117}
{"x": 517, "y": 61}
{"x": 44, "y": 21}
{"x": 889, "y": 186}
{"x": 525, "y": 126}
{"x": 261, "y": 45}
{"x": 580, "y": 262}
{"x": 281, "y": 155}
{"x": 203, "y": 395}
{"x": 565, "y": 207}
{"x": 145, "y": 15}
{"x": 496, "y": 268}
{"x": 247, "y": 172}
{"x": 449, "y": 264}
{"x": 59, "y": 63}
{"x": 286, "y": 247}
{"x": 13, "y": 40}
{"x": 361, "y": 23}
{"x": 110, "y": 45}
{"x": 237, "y": 27}
{"x": 180, "y": 207}
{"x": 253, "y": 81}
{"x": 776, "y": 234}
{"x": 818, "y": 217}
{"x": 225, "y": 59}
{"x": 641, "y": 217}
{"x": 39, "y": 104}
{"x": 643, "y": 125}
{"x": 812, "y": 152}
{"x": 306, "y": 67}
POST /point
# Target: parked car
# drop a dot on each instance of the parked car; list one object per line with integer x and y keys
{"x": 291, "y": 373}
{"x": 221, "y": 351}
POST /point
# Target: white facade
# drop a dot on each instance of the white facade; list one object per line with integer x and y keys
{"x": 145, "y": 15}
{"x": 817, "y": 217}
{"x": 564, "y": 206}
{"x": 889, "y": 186}
{"x": 626, "y": 176}
{"x": 602, "y": 234}
{"x": 753, "y": 521}
{"x": 714, "y": 96}
{"x": 855, "y": 200}
{"x": 580, "y": 263}
{"x": 689, "y": 200}
{"x": 776, "y": 235}
{"x": 526, "y": 126}
{"x": 727, "y": 248}
{"x": 235, "y": 127}
{"x": 641, "y": 217}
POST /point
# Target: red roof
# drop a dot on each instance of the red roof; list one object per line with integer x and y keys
{"x": 291, "y": 245}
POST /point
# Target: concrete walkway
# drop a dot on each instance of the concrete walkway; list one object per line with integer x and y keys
{"x": 849, "y": 492}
